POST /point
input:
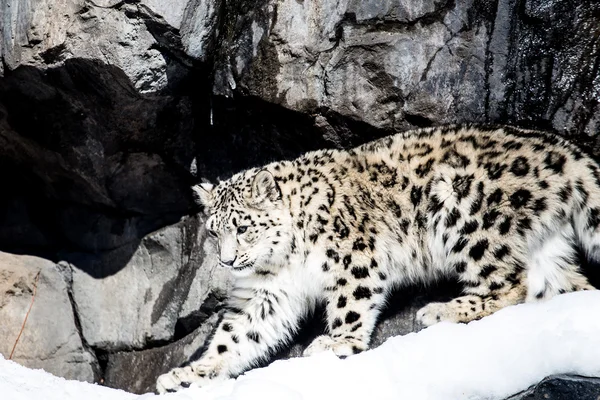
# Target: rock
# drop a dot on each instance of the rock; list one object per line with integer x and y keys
{"x": 562, "y": 387}
{"x": 264, "y": 131}
{"x": 400, "y": 64}
{"x": 90, "y": 117}
{"x": 385, "y": 64}
{"x": 199, "y": 32}
{"x": 102, "y": 180}
{"x": 141, "y": 291}
{"x": 128, "y": 35}
{"x": 43, "y": 33}
{"x": 399, "y": 316}
{"x": 547, "y": 76}
{"x": 137, "y": 371}
{"x": 50, "y": 338}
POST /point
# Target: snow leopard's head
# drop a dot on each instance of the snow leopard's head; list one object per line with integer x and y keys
{"x": 247, "y": 216}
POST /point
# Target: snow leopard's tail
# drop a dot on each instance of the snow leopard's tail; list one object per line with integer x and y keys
{"x": 586, "y": 220}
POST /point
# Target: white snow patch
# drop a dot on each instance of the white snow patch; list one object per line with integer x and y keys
{"x": 488, "y": 359}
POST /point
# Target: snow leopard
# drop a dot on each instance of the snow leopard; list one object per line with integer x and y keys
{"x": 502, "y": 210}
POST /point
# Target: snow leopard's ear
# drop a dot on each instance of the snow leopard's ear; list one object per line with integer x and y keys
{"x": 264, "y": 189}
{"x": 203, "y": 194}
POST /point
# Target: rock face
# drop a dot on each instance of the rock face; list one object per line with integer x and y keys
{"x": 161, "y": 282}
{"x": 399, "y": 64}
{"x": 92, "y": 311}
{"x": 90, "y": 119}
{"x": 50, "y": 338}
{"x": 137, "y": 370}
{"x": 562, "y": 387}
{"x": 110, "y": 110}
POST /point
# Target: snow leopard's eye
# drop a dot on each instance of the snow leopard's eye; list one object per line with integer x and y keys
{"x": 241, "y": 229}
{"x": 212, "y": 233}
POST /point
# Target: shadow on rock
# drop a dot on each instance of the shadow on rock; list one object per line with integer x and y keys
{"x": 90, "y": 163}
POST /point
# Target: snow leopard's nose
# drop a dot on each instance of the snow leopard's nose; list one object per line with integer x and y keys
{"x": 228, "y": 263}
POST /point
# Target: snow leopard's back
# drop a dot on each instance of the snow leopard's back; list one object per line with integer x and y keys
{"x": 498, "y": 206}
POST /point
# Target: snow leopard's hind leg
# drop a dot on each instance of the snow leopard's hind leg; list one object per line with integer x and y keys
{"x": 586, "y": 226}
{"x": 472, "y": 307}
{"x": 490, "y": 262}
{"x": 505, "y": 274}
{"x": 553, "y": 266}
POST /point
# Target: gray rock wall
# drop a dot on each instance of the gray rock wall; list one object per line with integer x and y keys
{"x": 399, "y": 64}
{"x": 51, "y": 339}
{"x": 110, "y": 110}
{"x": 142, "y": 290}
{"x": 90, "y": 308}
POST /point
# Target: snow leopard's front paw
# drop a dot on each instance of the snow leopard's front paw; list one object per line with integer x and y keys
{"x": 176, "y": 379}
{"x": 433, "y": 313}
{"x": 181, "y": 378}
{"x": 340, "y": 347}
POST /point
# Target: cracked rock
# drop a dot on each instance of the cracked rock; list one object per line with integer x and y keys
{"x": 397, "y": 65}
{"x": 50, "y": 339}
{"x": 137, "y": 371}
{"x": 562, "y": 387}
{"x": 142, "y": 291}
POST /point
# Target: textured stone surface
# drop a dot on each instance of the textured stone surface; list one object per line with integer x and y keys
{"x": 45, "y": 33}
{"x": 100, "y": 156}
{"x": 50, "y": 339}
{"x": 140, "y": 292}
{"x": 138, "y": 370}
{"x": 94, "y": 129}
{"x": 562, "y": 387}
{"x": 398, "y": 64}
{"x": 399, "y": 317}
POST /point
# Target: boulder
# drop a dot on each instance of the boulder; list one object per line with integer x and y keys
{"x": 44, "y": 33}
{"x": 95, "y": 132}
{"x": 137, "y": 371}
{"x": 562, "y": 387}
{"x": 50, "y": 338}
{"x": 97, "y": 167}
{"x": 142, "y": 294}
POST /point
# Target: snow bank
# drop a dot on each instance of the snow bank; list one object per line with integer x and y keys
{"x": 488, "y": 359}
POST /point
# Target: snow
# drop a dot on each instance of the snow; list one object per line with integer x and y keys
{"x": 488, "y": 359}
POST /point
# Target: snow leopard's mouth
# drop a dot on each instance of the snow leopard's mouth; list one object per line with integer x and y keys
{"x": 242, "y": 267}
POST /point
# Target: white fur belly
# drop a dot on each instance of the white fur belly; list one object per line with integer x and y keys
{"x": 409, "y": 262}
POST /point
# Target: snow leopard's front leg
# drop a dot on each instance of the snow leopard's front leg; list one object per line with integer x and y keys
{"x": 256, "y": 321}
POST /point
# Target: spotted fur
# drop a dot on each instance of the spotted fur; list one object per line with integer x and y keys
{"x": 501, "y": 209}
